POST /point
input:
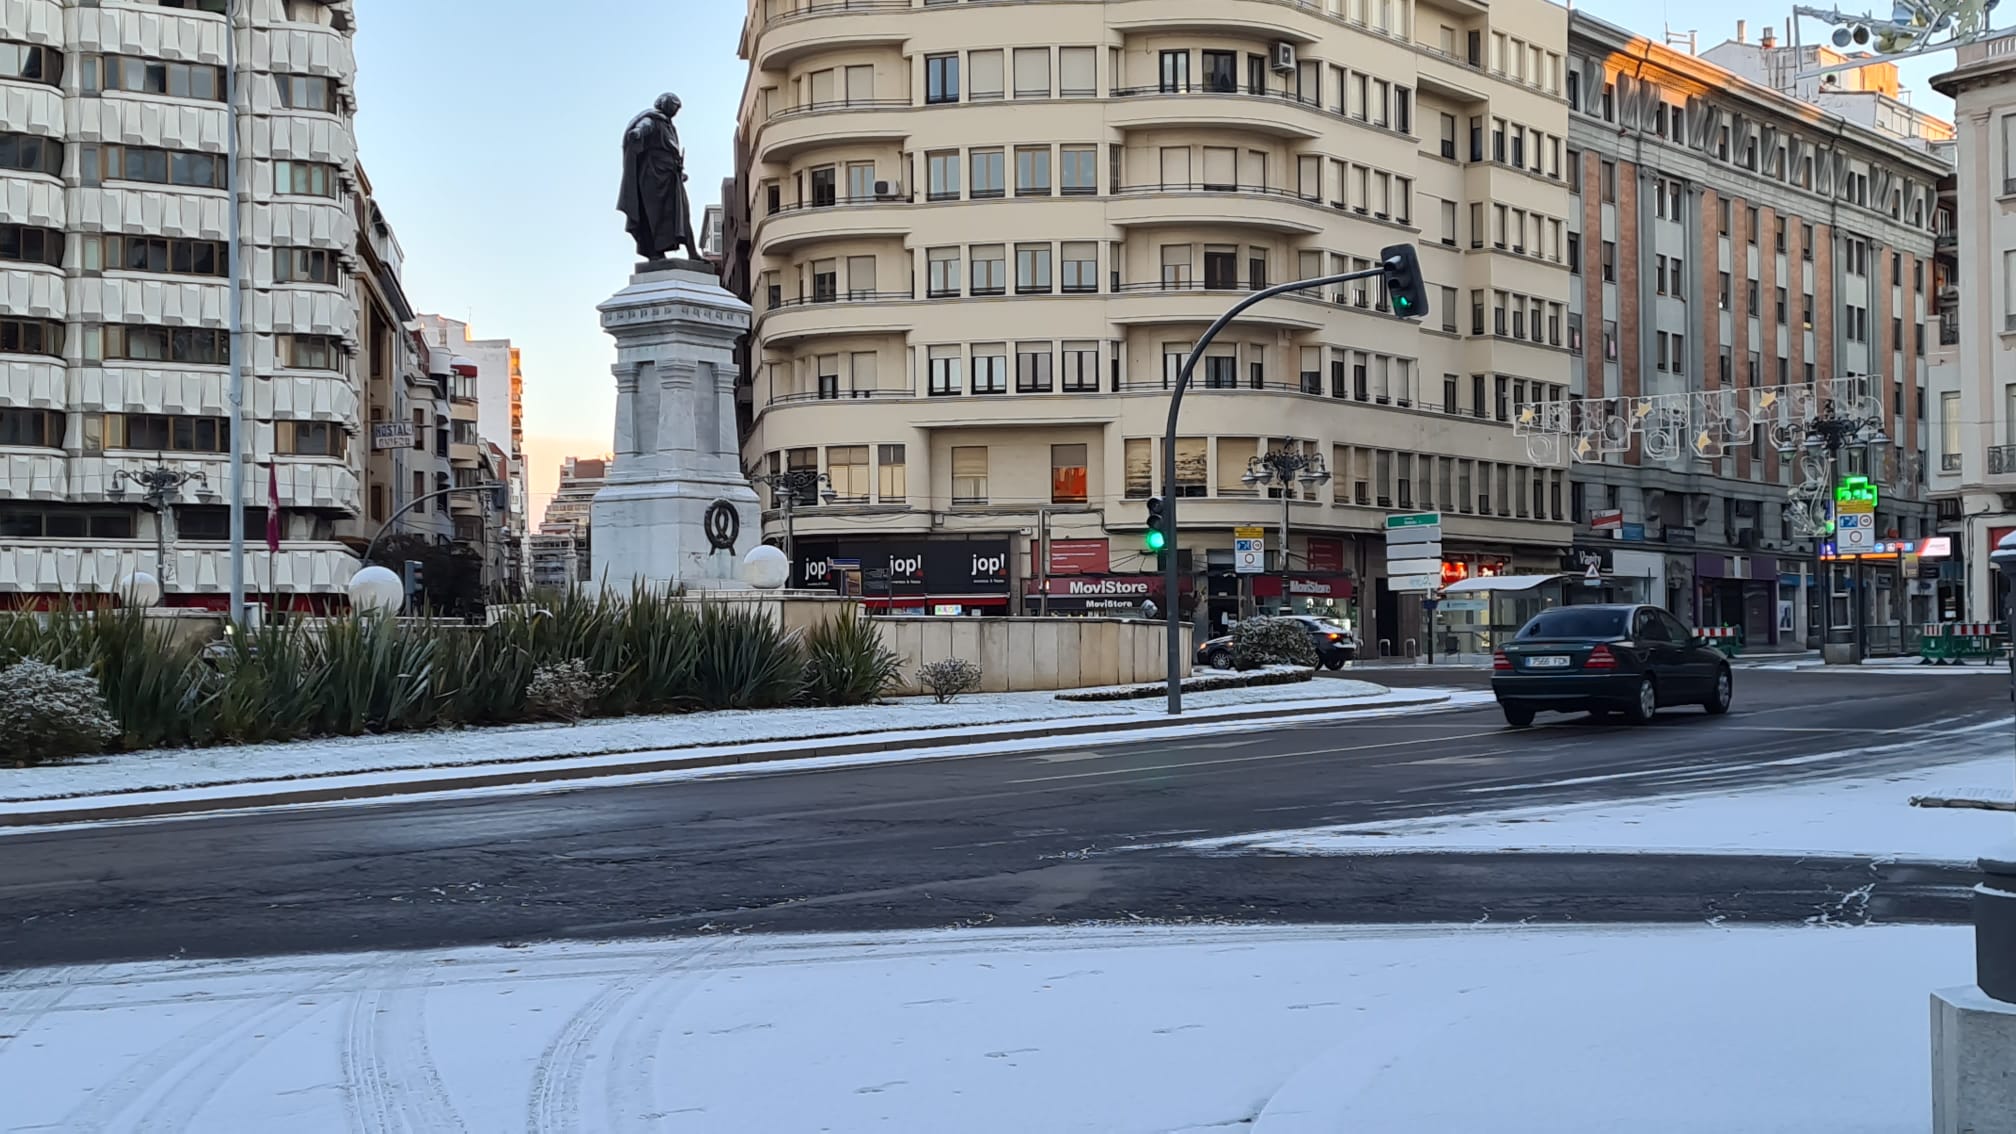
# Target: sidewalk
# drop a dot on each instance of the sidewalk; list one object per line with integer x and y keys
{"x": 185, "y": 781}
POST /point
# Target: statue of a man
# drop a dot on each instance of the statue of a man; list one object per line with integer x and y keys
{"x": 653, "y": 196}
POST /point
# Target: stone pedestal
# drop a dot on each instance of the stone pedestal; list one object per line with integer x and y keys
{"x": 1973, "y": 1063}
{"x": 677, "y": 452}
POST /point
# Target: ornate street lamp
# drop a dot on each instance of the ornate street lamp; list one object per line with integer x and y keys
{"x": 1286, "y": 467}
{"x": 1825, "y": 436}
{"x": 158, "y": 484}
{"x": 794, "y": 485}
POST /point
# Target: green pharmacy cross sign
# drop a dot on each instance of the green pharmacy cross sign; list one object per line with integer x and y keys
{"x": 1856, "y": 490}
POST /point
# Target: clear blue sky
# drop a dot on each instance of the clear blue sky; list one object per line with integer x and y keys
{"x": 490, "y": 132}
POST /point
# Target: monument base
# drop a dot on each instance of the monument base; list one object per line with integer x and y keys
{"x": 1973, "y": 1063}
{"x": 654, "y": 533}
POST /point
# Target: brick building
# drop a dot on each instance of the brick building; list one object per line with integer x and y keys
{"x": 1728, "y": 237}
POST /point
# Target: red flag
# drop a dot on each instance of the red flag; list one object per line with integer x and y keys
{"x": 272, "y": 506}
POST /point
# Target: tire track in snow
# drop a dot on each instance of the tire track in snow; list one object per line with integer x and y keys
{"x": 556, "y": 1081}
{"x": 392, "y": 1085}
{"x": 629, "y": 1075}
{"x": 30, "y": 994}
{"x": 180, "y": 1076}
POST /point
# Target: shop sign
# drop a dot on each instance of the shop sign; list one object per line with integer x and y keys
{"x": 1335, "y": 587}
{"x": 1326, "y": 556}
{"x": 1080, "y": 557}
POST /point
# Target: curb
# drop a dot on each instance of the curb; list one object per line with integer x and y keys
{"x": 449, "y": 781}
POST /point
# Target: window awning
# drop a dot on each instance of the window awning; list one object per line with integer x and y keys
{"x": 1500, "y": 583}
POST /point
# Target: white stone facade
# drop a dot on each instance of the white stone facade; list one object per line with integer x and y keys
{"x": 117, "y": 196}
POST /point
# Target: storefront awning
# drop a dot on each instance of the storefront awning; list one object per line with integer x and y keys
{"x": 1500, "y": 583}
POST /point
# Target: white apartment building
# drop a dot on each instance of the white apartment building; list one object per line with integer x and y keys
{"x": 114, "y": 347}
{"x": 978, "y": 238}
{"x": 1978, "y": 425}
{"x": 497, "y": 399}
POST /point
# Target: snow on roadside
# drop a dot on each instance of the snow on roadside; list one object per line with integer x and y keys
{"x": 1867, "y": 815}
{"x": 165, "y": 769}
{"x": 1277, "y": 1030}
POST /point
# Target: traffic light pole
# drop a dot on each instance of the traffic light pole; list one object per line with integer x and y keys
{"x": 1170, "y": 580}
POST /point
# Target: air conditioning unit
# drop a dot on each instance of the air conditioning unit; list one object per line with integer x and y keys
{"x": 887, "y": 190}
{"x": 1284, "y": 58}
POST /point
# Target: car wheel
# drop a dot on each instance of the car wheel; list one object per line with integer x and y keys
{"x": 1518, "y": 716}
{"x": 1725, "y": 689}
{"x": 1334, "y": 663}
{"x": 1645, "y": 704}
{"x": 1218, "y": 659}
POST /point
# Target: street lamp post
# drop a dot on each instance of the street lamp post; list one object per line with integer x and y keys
{"x": 794, "y": 484}
{"x": 235, "y": 301}
{"x": 1286, "y": 466}
{"x": 158, "y": 484}
{"x": 1830, "y": 433}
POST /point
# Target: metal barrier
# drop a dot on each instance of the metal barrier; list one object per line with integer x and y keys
{"x": 1727, "y": 639}
{"x": 1957, "y": 643}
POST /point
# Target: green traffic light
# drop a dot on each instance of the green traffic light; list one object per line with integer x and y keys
{"x": 1154, "y": 540}
{"x": 1402, "y": 302}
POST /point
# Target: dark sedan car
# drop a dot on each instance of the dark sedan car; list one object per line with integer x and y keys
{"x": 1334, "y": 645}
{"x": 1605, "y": 659}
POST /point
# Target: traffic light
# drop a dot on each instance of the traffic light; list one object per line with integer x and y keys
{"x": 1404, "y": 289}
{"x": 416, "y": 583}
{"x": 1157, "y": 536}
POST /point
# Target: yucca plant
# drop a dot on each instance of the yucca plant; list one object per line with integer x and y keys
{"x": 847, "y": 664}
{"x": 267, "y": 685}
{"x": 380, "y": 676}
{"x": 152, "y": 683}
{"x": 745, "y": 661}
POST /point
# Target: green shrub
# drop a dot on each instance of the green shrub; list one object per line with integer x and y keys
{"x": 51, "y": 714}
{"x": 1261, "y": 642}
{"x": 745, "y": 661}
{"x": 949, "y": 678}
{"x": 847, "y": 664}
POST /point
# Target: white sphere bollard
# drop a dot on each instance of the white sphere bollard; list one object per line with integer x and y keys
{"x": 377, "y": 590}
{"x": 140, "y": 589}
{"x": 765, "y": 568}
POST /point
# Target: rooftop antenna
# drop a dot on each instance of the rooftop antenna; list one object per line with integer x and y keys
{"x": 1676, "y": 38}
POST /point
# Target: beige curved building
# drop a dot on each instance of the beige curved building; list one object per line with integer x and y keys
{"x": 978, "y": 235}
{"x": 114, "y": 317}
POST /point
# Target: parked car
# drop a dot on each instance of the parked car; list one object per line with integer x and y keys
{"x": 1602, "y": 659}
{"x": 1334, "y": 644}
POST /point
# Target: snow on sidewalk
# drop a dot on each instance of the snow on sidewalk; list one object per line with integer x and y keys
{"x": 1860, "y": 816}
{"x": 900, "y": 719}
{"x": 1272, "y": 1030}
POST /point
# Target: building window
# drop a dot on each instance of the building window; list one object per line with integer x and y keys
{"x": 1032, "y": 171}
{"x": 1175, "y": 72}
{"x": 27, "y": 244}
{"x": 304, "y": 178}
{"x": 306, "y": 92}
{"x": 990, "y": 269}
{"x": 1081, "y": 366}
{"x": 1080, "y": 170}
{"x": 942, "y": 168}
{"x": 891, "y": 473}
{"x": 185, "y": 168}
{"x": 941, "y": 78}
{"x": 1032, "y": 72}
{"x": 32, "y": 62}
{"x": 309, "y": 352}
{"x": 150, "y": 76}
{"x": 1032, "y": 368}
{"x": 990, "y": 368}
{"x": 1609, "y": 261}
{"x": 31, "y": 428}
{"x": 944, "y": 272}
{"x": 1067, "y": 474}
{"x": 1080, "y": 264}
{"x": 847, "y": 470}
{"x": 31, "y": 154}
{"x": 304, "y": 265}
{"x": 969, "y": 474}
{"x": 19, "y": 522}
{"x": 946, "y": 371}
{"x": 988, "y": 173}
{"x": 157, "y": 433}
{"x": 1949, "y": 432}
{"x": 309, "y": 438}
{"x": 203, "y": 346}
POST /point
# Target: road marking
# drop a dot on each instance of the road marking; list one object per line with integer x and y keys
{"x": 1067, "y": 757}
{"x": 1249, "y": 759}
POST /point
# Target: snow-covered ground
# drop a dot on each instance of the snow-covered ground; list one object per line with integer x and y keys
{"x": 1869, "y": 815}
{"x": 1885, "y": 665}
{"x": 902, "y": 718}
{"x": 1268, "y": 1030}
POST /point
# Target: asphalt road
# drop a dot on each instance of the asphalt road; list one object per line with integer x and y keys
{"x": 1009, "y": 839}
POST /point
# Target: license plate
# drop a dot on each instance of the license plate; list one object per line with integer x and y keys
{"x": 1551, "y": 661}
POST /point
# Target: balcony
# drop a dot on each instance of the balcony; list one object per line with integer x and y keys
{"x": 1260, "y": 207}
{"x": 199, "y": 567}
{"x": 2001, "y": 460}
{"x": 1229, "y": 106}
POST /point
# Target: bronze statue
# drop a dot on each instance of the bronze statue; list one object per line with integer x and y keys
{"x": 653, "y": 196}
